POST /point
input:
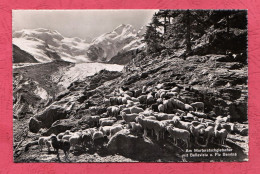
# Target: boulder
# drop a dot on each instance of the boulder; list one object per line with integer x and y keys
{"x": 60, "y": 126}
{"x": 47, "y": 117}
{"x": 127, "y": 144}
{"x": 34, "y": 125}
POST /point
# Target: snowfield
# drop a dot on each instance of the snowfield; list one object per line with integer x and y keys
{"x": 81, "y": 70}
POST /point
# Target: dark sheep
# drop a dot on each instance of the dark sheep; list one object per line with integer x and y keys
{"x": 60, "y": 144}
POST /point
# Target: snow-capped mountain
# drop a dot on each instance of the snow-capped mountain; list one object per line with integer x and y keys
{"x": 122, "y": 39}
{"x": 46, "y": 45}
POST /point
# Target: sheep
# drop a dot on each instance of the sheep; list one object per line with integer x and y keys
{"x": 175, "y": 89}
{"x": 188, "y": 107}
{"x": 150, "y": 117}
{"x": 106, "y": 102}
{"x": 75, "y": 139}
{"x": 60, "y": 144}
{"x": 177, "y": 133}
{"x": 136, "y": 127}
{"x": 221, "y": 119}
{"x": 144, "y": 89}
{"x": 144, "y": 123}
{"x": 177, "y": 103}
{"x": 127, "y": 96}
{"x": 104, "y": 119}
{"x": 136, "y": 109}
{"x": 149, "y": 99}
{"x": 195, "y": 123}
{"x": 221, "y": 135}
{"x": 159, "y": 86}
{"x": 121, "y": 107}
{"x": 171, "y": 94}
{"x": 125, "y": 110}
{"x": 161, "y": 108}
{"x": 113, "y": 101}
{"x": 138, "y": 93}
{"x": 105, "y": 129}
{"x": 183, "y": 125}
{"x": 165, "y": 105}
{"x": 93, "y": 110}
{"x": 119, "y": 100}
{"x": 130, "y": 103}
{"x": 199, "y": 106}
{"x": 113, "y": 111}
{"x": 66, "y": 137}
{"x": 134, "y": 99}
{"x": 86, "y": 138}
{"x": 179, "y": 112}
{"x": 157, "y": 95}
{"x": 162, "y": 94}
{"x": 170, "y": 116}
{"x": 97, "y": 137}
{"x": 107, "y": 122}
{"x": 209, "y": 134}
{"x": 159, "y": 101}
{"x": 148, "y": 124}
{"x": 147, "y": 112}
{"x": 196, "y": 131}
{"x": 60, "y": 135}
{"x": 124, "y": 100}
{"x": 162, "y": 116}
{"x": 199, "y": 114}
{"x": 129, "y": 93}
{"x": 42, "y": 141}
{"x": 115, "y": 129}
{"x": 129, "y": 117}
{"x": 96, "y": 119}
{"x": 142, "y": 99}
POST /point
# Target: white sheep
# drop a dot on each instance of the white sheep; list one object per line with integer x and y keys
{"x": 136, "y": 110}
{"x": 221, "y": 135}
{"x": 209, "y": 134}
{"x": 159, "y": 101}
{"x": 44, "y": 141}
{"x": 115, "y": 129}
{"x": 149, "y": 99}
{"x": 197, "y": 131}
{"x": 135, "y": 127}
{"x": 75, "y": 139}
{"x": 106, "y": 102}
{"x": 104, "y": 119}
{"x": 188, "y": 107}
{"x": 181, "y": 134}
{"x": 175, "y": 89}
{"x": 113, "y": 111}
{"x": 105, "y": 129}
{"x": 161, "y": 108}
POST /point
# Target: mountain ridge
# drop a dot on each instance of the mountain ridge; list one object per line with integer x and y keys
{"x": 48, "y": 45}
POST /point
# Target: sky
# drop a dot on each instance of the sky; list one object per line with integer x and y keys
{"x": 80, "y": 23}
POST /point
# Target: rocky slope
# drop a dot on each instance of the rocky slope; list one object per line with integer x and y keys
{"x": 20, "y": 56}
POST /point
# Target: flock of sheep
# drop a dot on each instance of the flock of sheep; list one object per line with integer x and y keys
{"x": 157, "y": 112}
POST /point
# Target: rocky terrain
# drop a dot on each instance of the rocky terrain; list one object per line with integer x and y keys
{"x": 64, "y": 98}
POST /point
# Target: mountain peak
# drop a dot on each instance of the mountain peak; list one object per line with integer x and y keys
{"x": 124, "y": 28}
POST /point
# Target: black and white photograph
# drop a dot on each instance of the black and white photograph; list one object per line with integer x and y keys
{"x": 116, "y": 86}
